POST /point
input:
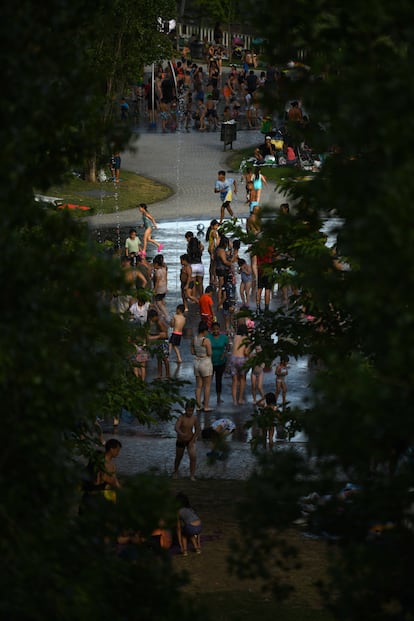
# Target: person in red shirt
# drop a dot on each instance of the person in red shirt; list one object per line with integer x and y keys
{"x": 206, "y": 306}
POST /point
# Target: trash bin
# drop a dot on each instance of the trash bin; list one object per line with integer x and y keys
{"x": 228, "y": 133}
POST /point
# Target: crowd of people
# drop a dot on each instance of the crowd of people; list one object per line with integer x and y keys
{"x": 216, "y": 281}
{"x": 222, "y": 340}
{"x": 183, "y": 95}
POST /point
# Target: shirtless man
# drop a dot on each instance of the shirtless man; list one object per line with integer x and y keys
{"x": 188, "y": 430}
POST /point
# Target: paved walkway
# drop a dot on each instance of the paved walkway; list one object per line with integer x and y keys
{"x": 188, "y": 163}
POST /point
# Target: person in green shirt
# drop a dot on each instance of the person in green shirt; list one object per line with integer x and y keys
{"x": 132, "y": 244}
{"x": 219, "y": 346}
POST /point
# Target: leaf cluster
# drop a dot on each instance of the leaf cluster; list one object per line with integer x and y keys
{"x": 62, "y": 353}
{"x": 355, "y": 324}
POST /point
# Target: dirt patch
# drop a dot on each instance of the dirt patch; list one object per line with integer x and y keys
{"x": 216, "y": 502}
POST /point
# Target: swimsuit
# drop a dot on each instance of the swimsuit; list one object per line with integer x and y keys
{"x": 182, "y": 443}
{"x": 147, "y": 222}
{"x": 237, "y": 365}
{"x": 246, "y": 277}
{"x": 175, "y": 338}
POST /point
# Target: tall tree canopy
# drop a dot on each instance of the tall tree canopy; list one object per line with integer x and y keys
{"x": 358, "y": 421}
{"x": 59, "y": 342}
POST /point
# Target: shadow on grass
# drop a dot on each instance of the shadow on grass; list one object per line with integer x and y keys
{"x": 242, "y": 605}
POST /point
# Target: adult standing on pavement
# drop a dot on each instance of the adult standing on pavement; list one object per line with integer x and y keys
{"x": 223, "y": 268}
{"x": 251, "y": 82}
{"x": 187, "y": 428}
{"x": 195, "y": 251}
{"x": 224, "y": 188}
{"x": 203, "y": 366}
{"x": 219, "y": 348}
{"x": 168, "y": 89}
{"x": 238, "y": 361}
{"x": 264, "y": 261}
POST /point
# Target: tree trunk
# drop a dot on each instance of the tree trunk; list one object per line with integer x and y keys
{"x": 90, "y": 169}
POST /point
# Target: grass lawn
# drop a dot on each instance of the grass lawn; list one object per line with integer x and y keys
{"x": 133, "y": 189}
{"x": 224, "y": 595}
{"x": 106, "y": 197}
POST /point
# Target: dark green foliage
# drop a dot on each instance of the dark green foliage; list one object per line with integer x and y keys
{"x": 355, "y": 324}
{"x": 61, "y": 348}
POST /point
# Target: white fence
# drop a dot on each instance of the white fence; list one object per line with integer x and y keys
{"x": 184, "y": 31}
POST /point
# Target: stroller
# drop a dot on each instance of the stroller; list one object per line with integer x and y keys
{"x": 237, "y": 47}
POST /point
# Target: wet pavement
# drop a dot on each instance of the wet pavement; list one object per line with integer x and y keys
{"x": 189, "y": 164}
{"x": 154, "y": 448}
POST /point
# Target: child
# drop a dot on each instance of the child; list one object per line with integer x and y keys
{"x": 253, "y": 202}
{"x": 164, "y": 116}
{"x": 258, "y": 182}
{"x": 257, "y": 376}
{"x": 115, "y": 165}
{"x": 268, "y": 415}
{"x": 148, "y": 224}
{"x": 177, "y": 324}
{"x": 246, "y": 274}
{"x": 132, "y": 243}
{"x": 139, "y": 311}
{"x": 281, "y": 373}
{"x": 188, "y": 525}
{"x": 228, "y": 298}
{"x": 206, "y": 306}
{"x": 139, "y": 357}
